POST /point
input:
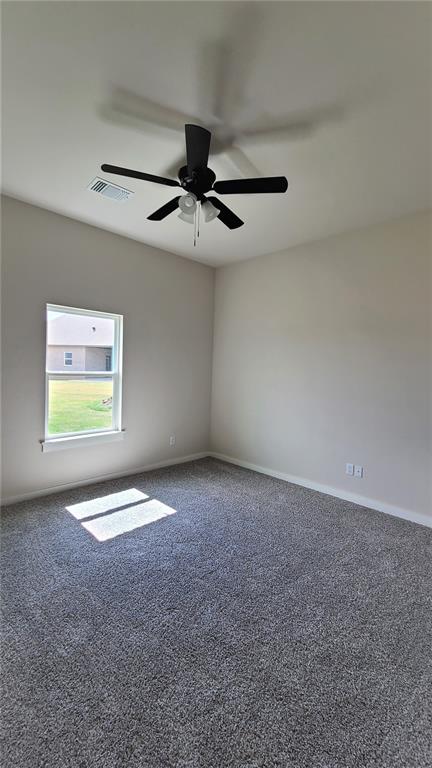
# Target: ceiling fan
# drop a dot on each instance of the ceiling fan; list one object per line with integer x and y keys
{"x": 197, "y": 179}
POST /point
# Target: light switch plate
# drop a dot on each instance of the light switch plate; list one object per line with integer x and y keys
{"x": 349, "y": 469}
{"x": 358, "y": 471}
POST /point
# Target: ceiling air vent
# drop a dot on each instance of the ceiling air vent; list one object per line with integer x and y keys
{"x": 107, "y": 189}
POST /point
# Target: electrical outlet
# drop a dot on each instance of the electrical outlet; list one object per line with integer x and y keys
{"x": 358, "y": 470}
{"x": 172, "y": 441}
{"x": 349, "y": 469}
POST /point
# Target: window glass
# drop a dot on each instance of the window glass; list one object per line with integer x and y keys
{"x": 86, "y": 397}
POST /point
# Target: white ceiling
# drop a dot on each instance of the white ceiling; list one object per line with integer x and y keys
{"x": 352, "y": 79}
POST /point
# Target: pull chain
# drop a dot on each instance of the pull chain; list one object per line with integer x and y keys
{"x": 197, "y": 222}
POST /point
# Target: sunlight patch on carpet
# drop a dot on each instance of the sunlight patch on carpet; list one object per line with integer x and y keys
{"x": 109, "y": 526}
{"x": 106, "y": 503}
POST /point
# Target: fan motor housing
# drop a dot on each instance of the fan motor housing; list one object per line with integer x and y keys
{"x": 199, "y": 182}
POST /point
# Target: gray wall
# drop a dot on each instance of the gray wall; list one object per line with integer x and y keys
{"x": 167, "y": 303}
{"x": 322, "y": 356}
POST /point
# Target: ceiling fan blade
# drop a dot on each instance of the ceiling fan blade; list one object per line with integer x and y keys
{"x": 227, "y": 64}
{"x": 226, "y": 215}
{"x": 165, "y": 210}
{"x": 251, "y": 186}
{"x": 138, "y": 175}
{"x": 131, "y": 109}
{"x": 197, "y": 147}
{"x": 299, "y": 125}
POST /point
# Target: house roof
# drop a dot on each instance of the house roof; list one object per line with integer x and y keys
{"x": 80, "y": 330}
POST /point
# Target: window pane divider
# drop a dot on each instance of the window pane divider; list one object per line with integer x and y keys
{"x": 68, "y": 374}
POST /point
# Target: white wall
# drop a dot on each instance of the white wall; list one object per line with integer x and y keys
{"x": 322, "y": 356}
{"x": 167, "y": 303}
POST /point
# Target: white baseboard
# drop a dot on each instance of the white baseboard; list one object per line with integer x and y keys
{"x": 363, "y": 501}
{"x": 101, "y": 478}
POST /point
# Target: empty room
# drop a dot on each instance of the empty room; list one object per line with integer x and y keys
{"x": 216, "y": 384}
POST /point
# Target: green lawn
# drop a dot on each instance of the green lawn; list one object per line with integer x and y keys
{"x": 76, "y": 406}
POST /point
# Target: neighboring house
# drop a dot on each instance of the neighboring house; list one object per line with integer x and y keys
{"x": 79, "y": 343}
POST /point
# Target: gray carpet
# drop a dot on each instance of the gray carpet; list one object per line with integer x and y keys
{"x": 261, "y": 625}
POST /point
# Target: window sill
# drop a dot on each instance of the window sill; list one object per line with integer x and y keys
{"x": 80, "y": 441}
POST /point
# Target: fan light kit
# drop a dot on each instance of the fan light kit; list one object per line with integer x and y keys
{"x": 196, "y": 178}
{"x": 188, "y": 203}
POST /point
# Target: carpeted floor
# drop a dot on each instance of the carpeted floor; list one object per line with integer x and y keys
{"x": 260, "y": 625}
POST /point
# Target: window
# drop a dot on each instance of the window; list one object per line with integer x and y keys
{"x": 85, "y": 400}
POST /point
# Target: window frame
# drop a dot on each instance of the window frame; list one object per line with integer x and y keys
{"x": 60, "y": 439}
{"x": 69, "y": 359}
